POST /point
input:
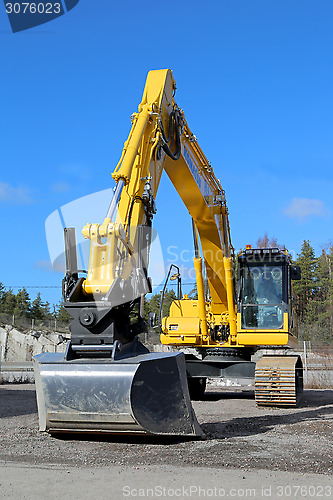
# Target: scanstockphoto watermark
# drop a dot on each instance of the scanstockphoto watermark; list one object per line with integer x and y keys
{"x": 186, "y": 255}
{"x": 193, "y": 491}
{"x": 215, "y": 259}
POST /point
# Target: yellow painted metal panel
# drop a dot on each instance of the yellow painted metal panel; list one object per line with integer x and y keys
{"x": 182, "y": 326}
{"x": 180, "y": 340}
{"x": 266, "y": 338}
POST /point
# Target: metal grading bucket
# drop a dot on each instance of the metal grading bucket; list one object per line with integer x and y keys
{"x": 143, "y": 394}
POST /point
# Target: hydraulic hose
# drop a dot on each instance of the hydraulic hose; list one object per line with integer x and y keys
{"x": 173, "y": 135}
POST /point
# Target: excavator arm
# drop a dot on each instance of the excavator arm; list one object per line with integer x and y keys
{"x": 160, "y": 139}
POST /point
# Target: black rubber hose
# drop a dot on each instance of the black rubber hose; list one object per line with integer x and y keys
{"x": 174, "y": 133}
{"x": 175, "y": 125}
{"x": 170, "y": 128}
{"x": 136, "y": 198}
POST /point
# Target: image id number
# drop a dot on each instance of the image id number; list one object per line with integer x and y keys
{"x": 33, "y": 8}
{"x": 304, "y": 491}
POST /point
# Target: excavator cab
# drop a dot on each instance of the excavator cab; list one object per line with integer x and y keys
{"x": 263, "y": 290}
{"x": 264, "y": 295}
{"x": 265, "y": 316}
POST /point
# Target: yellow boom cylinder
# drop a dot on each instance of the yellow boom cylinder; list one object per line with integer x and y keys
{"x": 201, "y": 295}
{"x": 132, "y": 147}
{"x": 228, "y": 266}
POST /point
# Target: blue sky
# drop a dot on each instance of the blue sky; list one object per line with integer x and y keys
{"x": 254, "y": 78}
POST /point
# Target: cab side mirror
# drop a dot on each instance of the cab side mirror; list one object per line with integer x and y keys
{"x": 152, "y": 320}
{"x": 295, "y": 273}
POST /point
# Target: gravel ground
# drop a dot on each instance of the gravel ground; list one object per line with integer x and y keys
{"x": 241, "y": 439}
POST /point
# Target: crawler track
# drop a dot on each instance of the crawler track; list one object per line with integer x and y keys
{"x": 278, "y": 381}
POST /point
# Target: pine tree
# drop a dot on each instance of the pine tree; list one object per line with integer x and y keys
{"x": 324, "y": 295}
{"x": 2, "y": 297}
{"x": 305, "y": 289}
{"x": 22, "y": 306}
{"x": 47, "y": 311}
{"x": 61, "y": 314}
{"x": 329, "y": 299}
{"x": 169, "y": 297}
{"x": 9, "y": 302}
{"x": 154, "y": 304}
{"x": 38, "y": 309}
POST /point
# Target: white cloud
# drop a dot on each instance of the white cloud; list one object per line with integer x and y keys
{"x": 300, "y": 208}
{"x": 18, "y": 195}
{"x": 60, "y": 187}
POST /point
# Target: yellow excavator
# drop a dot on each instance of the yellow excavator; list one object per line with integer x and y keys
{"x": 107, "y": 381}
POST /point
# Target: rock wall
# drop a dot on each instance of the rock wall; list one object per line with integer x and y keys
{"x": 17, "y": 346}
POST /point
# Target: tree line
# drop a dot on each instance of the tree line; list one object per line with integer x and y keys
{"x": 313, "y": 296}
{"x": 313, "y": 293}
{"x": 21, "y": 306}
